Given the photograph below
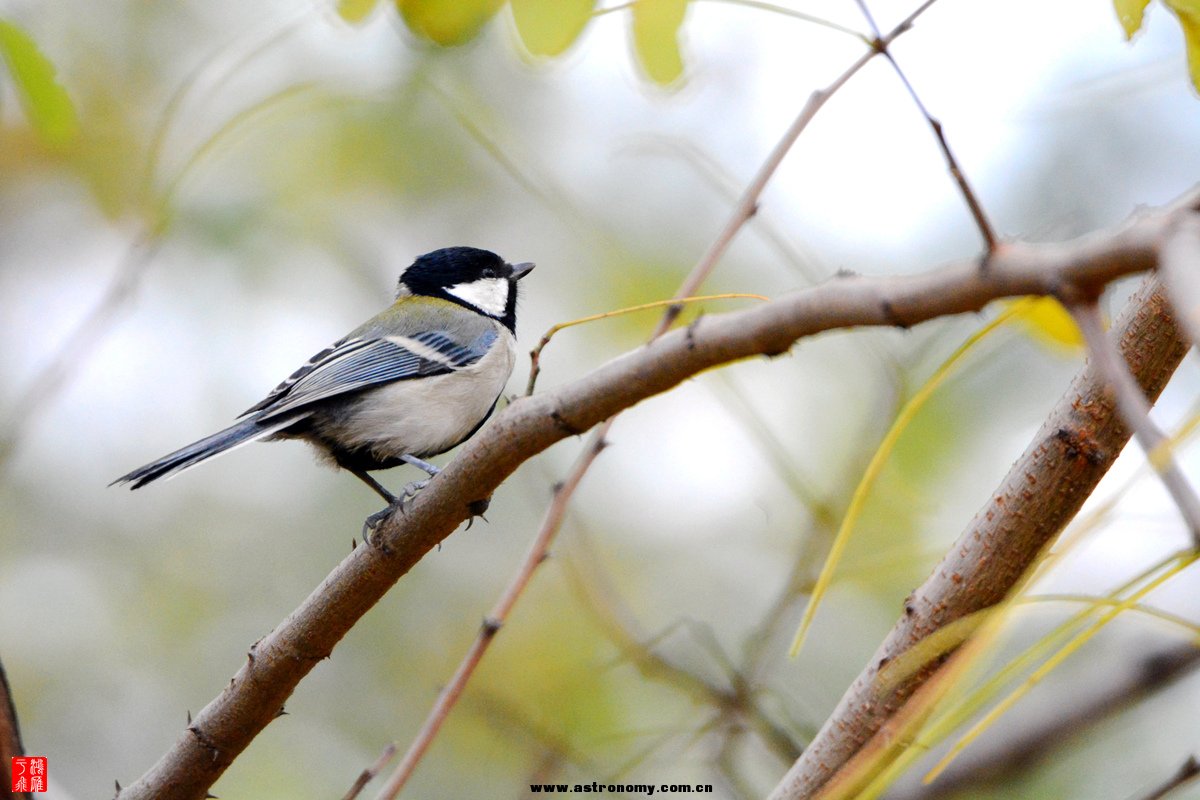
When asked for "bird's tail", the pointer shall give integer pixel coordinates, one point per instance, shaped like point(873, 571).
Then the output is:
point(220, 442)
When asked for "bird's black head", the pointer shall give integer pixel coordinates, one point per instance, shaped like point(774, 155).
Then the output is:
point(477, 279)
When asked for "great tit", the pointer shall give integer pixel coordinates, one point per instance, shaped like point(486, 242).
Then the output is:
point(414, 381)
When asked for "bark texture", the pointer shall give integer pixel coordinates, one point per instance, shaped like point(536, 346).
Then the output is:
point(1043, 491)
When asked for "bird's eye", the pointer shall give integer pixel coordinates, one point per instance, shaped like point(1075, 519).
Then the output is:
point(489, 273)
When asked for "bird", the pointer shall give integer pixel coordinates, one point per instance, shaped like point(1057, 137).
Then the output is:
point(412, 382)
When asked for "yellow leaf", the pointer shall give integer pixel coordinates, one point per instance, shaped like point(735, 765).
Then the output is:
point(1047, 320)
point(447, 22)
point(355, 11)
point(1188, 12)
point(43, 98)
point(656, 26)
point(1130, 13)
point(549, 27)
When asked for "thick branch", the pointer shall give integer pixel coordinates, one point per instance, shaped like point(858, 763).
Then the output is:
point(1041, 493)
point(278, 662)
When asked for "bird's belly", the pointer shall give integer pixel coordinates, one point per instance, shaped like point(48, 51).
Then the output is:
point(423, 416)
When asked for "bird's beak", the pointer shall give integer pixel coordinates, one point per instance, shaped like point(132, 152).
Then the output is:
point(521, 270)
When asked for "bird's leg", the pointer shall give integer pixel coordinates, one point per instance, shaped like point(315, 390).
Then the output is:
point(425, 465)
point(374, 484)
point(393, 501)
point(379, 516)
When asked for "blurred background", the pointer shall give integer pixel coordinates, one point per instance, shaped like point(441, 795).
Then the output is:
point(244, 185)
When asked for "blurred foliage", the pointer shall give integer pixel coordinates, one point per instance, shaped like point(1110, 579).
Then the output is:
point(656, 25)
point(549, 27)
point(1131, 12)
point(43, 98)
point(546, 28)
point(447, 22)
point(356, 11)
point(289, 162)
point(928, 447)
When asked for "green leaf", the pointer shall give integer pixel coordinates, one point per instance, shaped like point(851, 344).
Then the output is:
point(46, 103)
point(656, 26)
point(1188, 12)
point(355, 11)
point(549, 27)
point(447, 22)
point(1130, 13)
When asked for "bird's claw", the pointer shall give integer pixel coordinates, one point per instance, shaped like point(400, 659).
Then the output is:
point(401, 501)
point(410, 492)
point(371, 522)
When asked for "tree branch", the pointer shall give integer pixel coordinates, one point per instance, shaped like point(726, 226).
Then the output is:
point(1180, 269)
point(1135, 411)
point(278, 662)
point(492, 624)
point(10, 739)
point(1042, 492)
point(747, 205)
point(990, 240)
point(370, 772)
point(1184, 775)
point(1043, 740)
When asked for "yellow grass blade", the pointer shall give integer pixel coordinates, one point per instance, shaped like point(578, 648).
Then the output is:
point(536, 353)
point(1181, 562)
point(879, 459)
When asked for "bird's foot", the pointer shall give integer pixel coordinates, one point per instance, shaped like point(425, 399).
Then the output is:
point(410, 492)
point(371, 522)
point(400, 501)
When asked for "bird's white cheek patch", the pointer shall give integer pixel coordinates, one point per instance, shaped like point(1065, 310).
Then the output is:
point(489, 295)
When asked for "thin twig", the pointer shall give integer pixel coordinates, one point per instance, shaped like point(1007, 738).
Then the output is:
point(368, 774)
point(866, 12)
point(64, 364)
point(803, 487)
point(986, 230)
point(280, 660)
point(506, 719)
point(1135, 410)
point(748, 204)
point(745, 209)
point(535, 355)
point(737, 702)
point(1180, 268)
point(1076, 444)
point(712, 172)
point(499, 614)
point(1043, 739)
point(274, 34)
point(800, 15)
point(972, 200)
point(1184, 775)
point(92, 331)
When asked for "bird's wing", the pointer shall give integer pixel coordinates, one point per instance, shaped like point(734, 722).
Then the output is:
point(357, 363)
